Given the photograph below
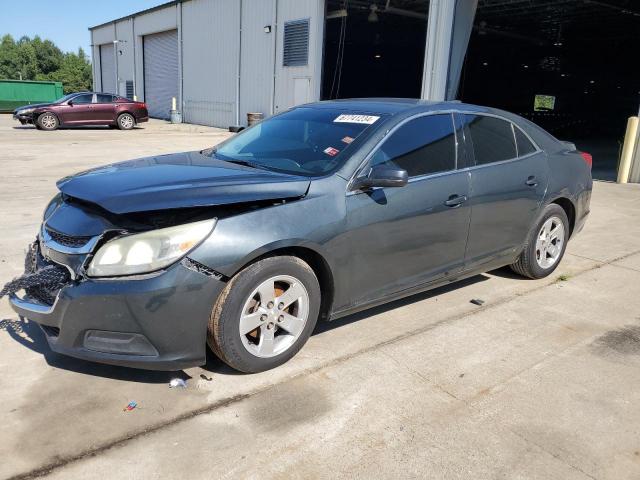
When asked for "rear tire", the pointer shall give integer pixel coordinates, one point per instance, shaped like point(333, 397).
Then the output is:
point(48, 121)
point(545, 245)
point(255, 325)
point(126, 121)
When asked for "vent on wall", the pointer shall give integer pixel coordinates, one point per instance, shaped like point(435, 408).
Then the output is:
point(129, 89)
point(296, 43)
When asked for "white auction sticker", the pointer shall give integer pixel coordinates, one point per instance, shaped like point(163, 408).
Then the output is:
point(362, 119)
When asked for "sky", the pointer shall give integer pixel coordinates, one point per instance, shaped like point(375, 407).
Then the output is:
point(65, 22)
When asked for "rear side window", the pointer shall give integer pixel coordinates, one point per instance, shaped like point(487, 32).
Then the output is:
point(524, 145)
point(492, 139)
point(82, 99)
point(104, 98)
point(421, 146)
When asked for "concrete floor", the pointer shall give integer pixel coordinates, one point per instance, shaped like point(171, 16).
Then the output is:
point(539, 382)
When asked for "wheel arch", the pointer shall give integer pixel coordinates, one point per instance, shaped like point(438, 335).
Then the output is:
point(312, 255)
point(135, 119)
point(569, 208)
point(36, 116)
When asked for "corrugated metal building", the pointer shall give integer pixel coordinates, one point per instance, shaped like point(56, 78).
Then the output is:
point(222, 59)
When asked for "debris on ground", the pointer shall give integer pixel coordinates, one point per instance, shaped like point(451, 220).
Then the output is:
point(204, 377)
point(564, 277)
point(477, 301)
point(130, 407)
point(177, 383)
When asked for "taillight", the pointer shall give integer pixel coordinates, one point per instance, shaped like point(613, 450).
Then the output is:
point(588, 159)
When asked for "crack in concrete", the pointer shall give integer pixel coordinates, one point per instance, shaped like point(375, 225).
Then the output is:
point(61, 462)
point(554, 455)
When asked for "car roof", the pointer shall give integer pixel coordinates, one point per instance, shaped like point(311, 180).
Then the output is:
point(394, 106)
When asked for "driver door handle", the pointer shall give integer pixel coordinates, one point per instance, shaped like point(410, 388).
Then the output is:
point(455, 200)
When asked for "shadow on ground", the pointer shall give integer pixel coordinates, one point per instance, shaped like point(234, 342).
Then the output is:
point(30, 335)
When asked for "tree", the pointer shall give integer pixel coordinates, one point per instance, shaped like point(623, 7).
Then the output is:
point(74, 72)
point(37, 59)
point(48, 56)
point(9, 61)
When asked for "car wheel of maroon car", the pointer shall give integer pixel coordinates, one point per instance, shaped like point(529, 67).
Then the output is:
point(48, 121)
point(126, 121)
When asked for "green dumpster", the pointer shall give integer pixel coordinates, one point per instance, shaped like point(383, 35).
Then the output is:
point(15, 93)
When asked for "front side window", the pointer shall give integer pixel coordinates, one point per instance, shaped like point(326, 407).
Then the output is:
point(102, 98)
point(422, 146)
point(492, 139)
point(82, 99)
point(303, 141)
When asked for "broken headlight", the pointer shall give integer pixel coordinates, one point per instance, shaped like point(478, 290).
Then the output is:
point(149, 251)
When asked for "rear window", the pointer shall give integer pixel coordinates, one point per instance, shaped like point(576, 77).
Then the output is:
point(524, 145)
point(303, 141)
point(492, 139)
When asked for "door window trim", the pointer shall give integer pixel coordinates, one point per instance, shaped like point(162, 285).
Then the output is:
point(387, 136)
point(465, 141)
point(93, 98)
point(513, 127)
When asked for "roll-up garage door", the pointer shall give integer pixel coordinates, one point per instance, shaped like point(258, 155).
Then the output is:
point(160, 72)
point(107, 69)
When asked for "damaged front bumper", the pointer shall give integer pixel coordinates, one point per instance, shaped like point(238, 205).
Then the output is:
point(156, 321)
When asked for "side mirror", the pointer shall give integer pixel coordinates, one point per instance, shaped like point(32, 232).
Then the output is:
point(382, 176)
point(70, 103)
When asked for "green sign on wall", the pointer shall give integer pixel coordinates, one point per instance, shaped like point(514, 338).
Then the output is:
point(544, 103)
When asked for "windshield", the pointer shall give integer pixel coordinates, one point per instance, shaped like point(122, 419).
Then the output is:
point(304, 141)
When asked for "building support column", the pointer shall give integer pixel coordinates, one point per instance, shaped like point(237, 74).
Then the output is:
point(448, 31)
point(437, 49)
point(462, 26)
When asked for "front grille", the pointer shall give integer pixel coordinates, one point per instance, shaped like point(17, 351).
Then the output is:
point(34, 262)
point(67, 240)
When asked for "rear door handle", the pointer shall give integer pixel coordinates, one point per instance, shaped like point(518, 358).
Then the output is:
point(455, 200)
point(531, 181)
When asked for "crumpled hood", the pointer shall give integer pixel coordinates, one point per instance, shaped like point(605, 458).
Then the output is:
point(178, 181)
point(33, 105)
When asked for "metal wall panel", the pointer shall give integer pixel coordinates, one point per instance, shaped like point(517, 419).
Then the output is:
point(301, 84)
point(161, 72)
point(125, 57)
point(258, 57)
point(210, 59)
point(107, 68)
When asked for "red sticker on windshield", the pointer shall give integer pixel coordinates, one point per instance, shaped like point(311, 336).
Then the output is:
point(332, 151)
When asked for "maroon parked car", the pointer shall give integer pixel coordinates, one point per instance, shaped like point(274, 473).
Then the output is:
point(84, 108)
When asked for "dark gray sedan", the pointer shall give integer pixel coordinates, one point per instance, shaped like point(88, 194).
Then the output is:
point(316, 213)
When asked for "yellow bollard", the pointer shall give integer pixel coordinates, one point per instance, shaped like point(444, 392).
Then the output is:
point(173, 103)
point(630, 140)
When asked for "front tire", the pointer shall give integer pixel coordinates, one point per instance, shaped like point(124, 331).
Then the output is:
point(126, 121)
point(545, 245)
point(265, 314)
point(48, 121)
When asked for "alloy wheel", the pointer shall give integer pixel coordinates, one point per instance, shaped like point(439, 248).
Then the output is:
point(126, 122)
point(48, 121)
point(550, 242)
point(274, 316)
